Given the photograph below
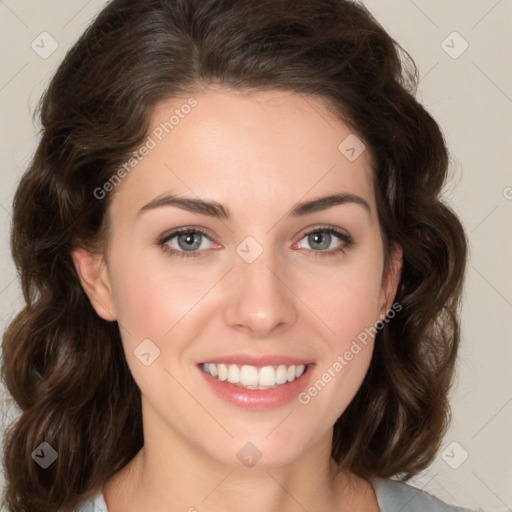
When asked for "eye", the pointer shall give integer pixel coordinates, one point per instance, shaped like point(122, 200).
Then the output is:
point(191, 242)
point(187, 240)
point(328, 241)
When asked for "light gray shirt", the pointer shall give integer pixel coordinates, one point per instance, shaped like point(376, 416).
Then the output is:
point(392, 496)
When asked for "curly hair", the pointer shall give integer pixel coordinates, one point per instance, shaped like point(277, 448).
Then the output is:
point(64, 365)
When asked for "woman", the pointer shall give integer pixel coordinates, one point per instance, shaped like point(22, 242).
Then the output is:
point(242, 288)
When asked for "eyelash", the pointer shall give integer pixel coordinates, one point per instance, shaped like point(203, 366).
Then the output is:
point(347, 240)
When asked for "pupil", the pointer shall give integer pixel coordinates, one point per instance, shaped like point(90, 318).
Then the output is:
point(320, 240)
point(189, 241)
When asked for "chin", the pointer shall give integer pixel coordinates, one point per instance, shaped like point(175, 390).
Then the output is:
point(256, 452)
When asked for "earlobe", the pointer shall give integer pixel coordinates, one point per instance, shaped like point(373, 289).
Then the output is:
point(391, 279)
point(92, 272)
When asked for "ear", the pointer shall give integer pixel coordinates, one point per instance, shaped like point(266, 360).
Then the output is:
point(92, 272)
point(390, 279)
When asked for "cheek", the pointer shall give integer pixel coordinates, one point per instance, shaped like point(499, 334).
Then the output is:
point(160, 306)
point(347, 298)
point(152, 308)
point(150, 298)
point(348, 304)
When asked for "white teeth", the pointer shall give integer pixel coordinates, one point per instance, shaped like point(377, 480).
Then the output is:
point(222, 371)
point(281, 374)
point(252, 377)
point(249, 376)
point(267, 376)
point(233, 374)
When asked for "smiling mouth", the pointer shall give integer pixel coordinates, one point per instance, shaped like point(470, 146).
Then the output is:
point(252, 377)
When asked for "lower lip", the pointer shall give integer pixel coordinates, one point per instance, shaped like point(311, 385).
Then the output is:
point(258, 398)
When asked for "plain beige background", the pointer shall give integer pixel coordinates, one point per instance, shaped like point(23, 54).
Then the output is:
point(462, 49)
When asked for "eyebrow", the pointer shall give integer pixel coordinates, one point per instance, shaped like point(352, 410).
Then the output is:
point(217, 210)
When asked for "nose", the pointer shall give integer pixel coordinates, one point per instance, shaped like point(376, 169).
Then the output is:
point(260, 300)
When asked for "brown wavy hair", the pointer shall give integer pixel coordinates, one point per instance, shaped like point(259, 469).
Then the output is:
point(64, 365)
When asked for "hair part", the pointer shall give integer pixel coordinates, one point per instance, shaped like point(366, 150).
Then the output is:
point(64, 365)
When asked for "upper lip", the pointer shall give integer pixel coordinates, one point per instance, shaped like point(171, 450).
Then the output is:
point(257, 360)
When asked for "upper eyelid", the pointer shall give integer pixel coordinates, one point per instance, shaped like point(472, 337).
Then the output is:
point(323, 227)
point(178, 231)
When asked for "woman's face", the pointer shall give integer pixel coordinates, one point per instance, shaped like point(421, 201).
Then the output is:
point(278, 265)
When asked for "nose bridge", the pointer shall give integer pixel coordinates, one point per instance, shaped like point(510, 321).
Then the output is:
point(260, 301)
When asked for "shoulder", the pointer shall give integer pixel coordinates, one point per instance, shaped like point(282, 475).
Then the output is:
point(96, 504)
point(393, 495)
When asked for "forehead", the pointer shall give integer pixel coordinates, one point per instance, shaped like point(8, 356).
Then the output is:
point(242, 148)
